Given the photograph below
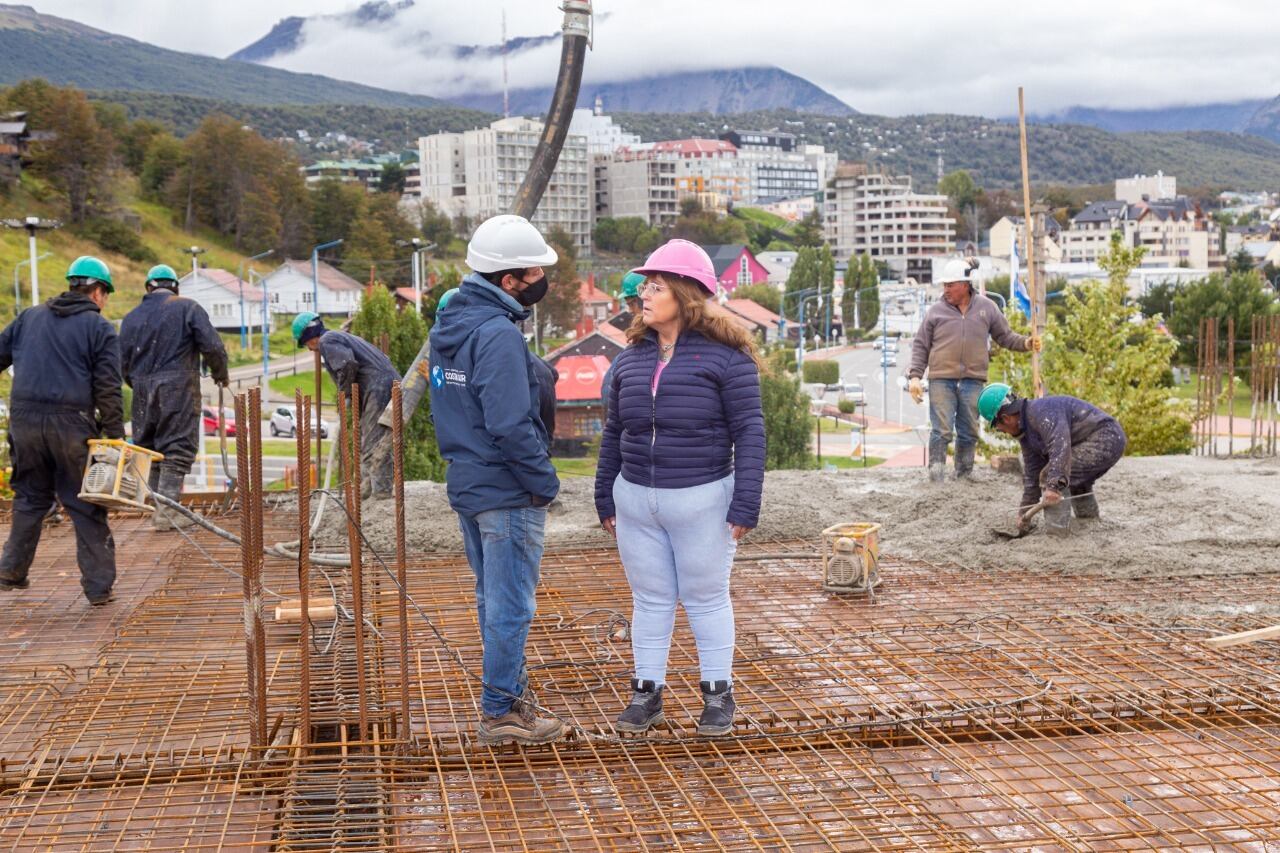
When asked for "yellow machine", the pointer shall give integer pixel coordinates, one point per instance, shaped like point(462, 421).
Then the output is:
point(115, 475)
point(851, 557)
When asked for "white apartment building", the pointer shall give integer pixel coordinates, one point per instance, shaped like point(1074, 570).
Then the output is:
point(779, 167)
point(882, 216)
point(603, 136)
point(1140, 187)
point(650, 179)
point(478, 172)
point(1174, 231)
point(1010, 231)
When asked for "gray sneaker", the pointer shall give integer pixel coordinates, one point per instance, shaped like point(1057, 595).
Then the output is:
point(717, 708)
point(645, 710)
point(520, 727)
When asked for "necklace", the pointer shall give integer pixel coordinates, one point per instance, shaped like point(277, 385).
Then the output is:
point(664, 353)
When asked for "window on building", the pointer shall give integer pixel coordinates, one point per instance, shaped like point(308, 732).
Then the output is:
point(744, 271)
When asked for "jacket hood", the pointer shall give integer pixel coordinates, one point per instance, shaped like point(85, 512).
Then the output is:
point(476, 302)
point(69, 303)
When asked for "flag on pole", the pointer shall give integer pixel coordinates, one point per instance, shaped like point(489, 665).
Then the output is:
point(1017, 287)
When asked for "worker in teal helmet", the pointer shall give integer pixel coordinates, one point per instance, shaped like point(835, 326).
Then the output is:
point(631, 298)
point(1067, 445)
point(353, 361)
point(66, 390)
point(631, 292)
point(162, 344)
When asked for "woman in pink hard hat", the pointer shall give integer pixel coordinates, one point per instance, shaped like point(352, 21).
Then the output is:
point(680, 476)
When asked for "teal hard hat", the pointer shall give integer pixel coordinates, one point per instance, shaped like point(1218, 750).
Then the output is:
point(87, 266)
point(162, 272)
point(445, 297)
point(631, 285)
point(304, 321)
point(992, 400)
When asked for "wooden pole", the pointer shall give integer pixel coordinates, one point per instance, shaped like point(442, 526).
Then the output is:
point(1030, 247)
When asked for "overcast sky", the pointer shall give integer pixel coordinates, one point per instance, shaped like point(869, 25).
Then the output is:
point(890, 58)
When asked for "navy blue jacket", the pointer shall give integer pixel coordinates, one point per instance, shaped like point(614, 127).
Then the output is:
point(167, 334)
point(1050, 426)
point(351, 359)
point(704, 423)
point(485, 402)
point(66, 358)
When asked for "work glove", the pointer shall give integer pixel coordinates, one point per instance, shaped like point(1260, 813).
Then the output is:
point(1024, 521)
point(1035, 343)
point(916, 389)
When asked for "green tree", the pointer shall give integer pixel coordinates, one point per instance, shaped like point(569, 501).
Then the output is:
point(1240, 296)
point(405, 331)
point(764, 295)
point(163, 159)
point(786, 422)
point(1158, 300)
point(861, 288)
point(335, 207)
point(434, 226)
point(392, 179)
point(706, 227)
point(561, 307)
point(809, 231)
point(1101, 350)
point(1241, 261)
point(77, 157)
point(135, 139)
point(960, 188)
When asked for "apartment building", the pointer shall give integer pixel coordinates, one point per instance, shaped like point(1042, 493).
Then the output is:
point(1174, 231)
point(884, 217)
point(779, 166)
point(649, 180)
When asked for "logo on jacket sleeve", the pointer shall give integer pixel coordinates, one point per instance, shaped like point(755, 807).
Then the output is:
point(442, 376)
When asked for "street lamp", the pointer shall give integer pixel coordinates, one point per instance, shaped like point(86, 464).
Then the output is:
point(418, 271)
point(17, 293)
point(244, 329)
point(315, 272)
point(32, 224)
point(194, 252)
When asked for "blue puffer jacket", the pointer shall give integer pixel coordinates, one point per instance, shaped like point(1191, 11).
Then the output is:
point(704, 423)
point(485, 404)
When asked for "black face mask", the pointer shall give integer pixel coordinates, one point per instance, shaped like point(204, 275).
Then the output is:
point(532, 294)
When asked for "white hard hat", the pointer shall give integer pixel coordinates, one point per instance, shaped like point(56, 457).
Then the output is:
point(956, 269)
point(508, 242)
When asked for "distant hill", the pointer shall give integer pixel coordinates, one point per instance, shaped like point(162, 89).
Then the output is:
point(67, 53)
point(1266, 121)
point(286, 35)
point(1231, 117)
point(720, 92)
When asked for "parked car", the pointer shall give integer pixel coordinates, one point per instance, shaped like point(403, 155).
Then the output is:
point(209, 417)
point(854, 392)
point(889, 358)
point(283, 422)
point(890, 344)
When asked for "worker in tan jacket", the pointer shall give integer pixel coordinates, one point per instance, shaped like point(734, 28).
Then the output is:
point(952, 346)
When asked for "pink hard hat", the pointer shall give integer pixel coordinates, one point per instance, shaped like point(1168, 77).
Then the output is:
point(680, 257)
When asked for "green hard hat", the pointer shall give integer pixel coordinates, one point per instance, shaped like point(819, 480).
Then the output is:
point(301, 322)
point(992, 399)
point(162, 272)
point(87, 266)
point(445, 297)
point(631, 285)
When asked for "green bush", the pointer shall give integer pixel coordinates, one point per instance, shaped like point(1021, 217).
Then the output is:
point(113, 236)
point(786, 422)
point(847, 407)
point(825, 372)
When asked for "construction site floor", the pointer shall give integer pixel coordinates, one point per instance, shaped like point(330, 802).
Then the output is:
point(953, 710)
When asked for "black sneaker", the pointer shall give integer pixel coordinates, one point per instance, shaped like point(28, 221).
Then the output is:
point(717, 708)
point(645, 709)
point(7, 584)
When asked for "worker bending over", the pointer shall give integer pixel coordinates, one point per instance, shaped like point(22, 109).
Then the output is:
point(1067, 444)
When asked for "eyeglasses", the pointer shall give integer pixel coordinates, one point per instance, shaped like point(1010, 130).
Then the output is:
point(653, 287)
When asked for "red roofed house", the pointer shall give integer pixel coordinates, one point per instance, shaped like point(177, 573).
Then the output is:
point(597, 306)
point(763, 321)
point(222, 295)
point(291, 289)
point(736, 265)
point(579, 413)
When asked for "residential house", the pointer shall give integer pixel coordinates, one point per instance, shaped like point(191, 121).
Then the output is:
point(1174, 231)
point(765, 324)
point(291, 290)
point(1255, 232)
point(230, 302)
point(597, 306)
point(14, 137)
point(1263, 253)
point(581, 365)
point(735, 265)
point(779, 265)
point(1009, 229)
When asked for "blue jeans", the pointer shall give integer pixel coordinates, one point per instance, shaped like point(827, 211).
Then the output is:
point(504, 548)
point(676, 546)
point(953, 410)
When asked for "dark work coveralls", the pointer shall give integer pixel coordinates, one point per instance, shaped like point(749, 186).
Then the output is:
point(1067, 444)
point(161, 342)
point(66, 390)
point(353, 360)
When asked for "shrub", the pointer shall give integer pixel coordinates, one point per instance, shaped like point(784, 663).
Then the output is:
point(113, 236)
point(847, 407)
point(824, 372)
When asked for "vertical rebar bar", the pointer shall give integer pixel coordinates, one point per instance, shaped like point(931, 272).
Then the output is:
point(319, 404)
point(302, 407)
point(397, 459)
point(259, 633)
point(244, 481)
point(1231, 386)
point(351, 465)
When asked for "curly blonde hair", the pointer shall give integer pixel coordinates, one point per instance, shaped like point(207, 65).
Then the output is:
point(700, 314)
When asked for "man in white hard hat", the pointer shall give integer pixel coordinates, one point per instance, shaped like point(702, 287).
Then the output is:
point(952, 346)
point(485, 405)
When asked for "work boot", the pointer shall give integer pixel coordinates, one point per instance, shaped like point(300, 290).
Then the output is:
point(964, 462)
point(1057, 519)
point(10, 584)
point(105, 598)
point(169, 484)
point(717, 708)
point(937, 472)
point(521, 727)
point(1085, 506)
point(645, 709)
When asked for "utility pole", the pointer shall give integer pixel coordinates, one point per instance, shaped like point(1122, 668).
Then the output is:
point(244, 328)
point(195, 252)
point(315, 272)
point(31, 225)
